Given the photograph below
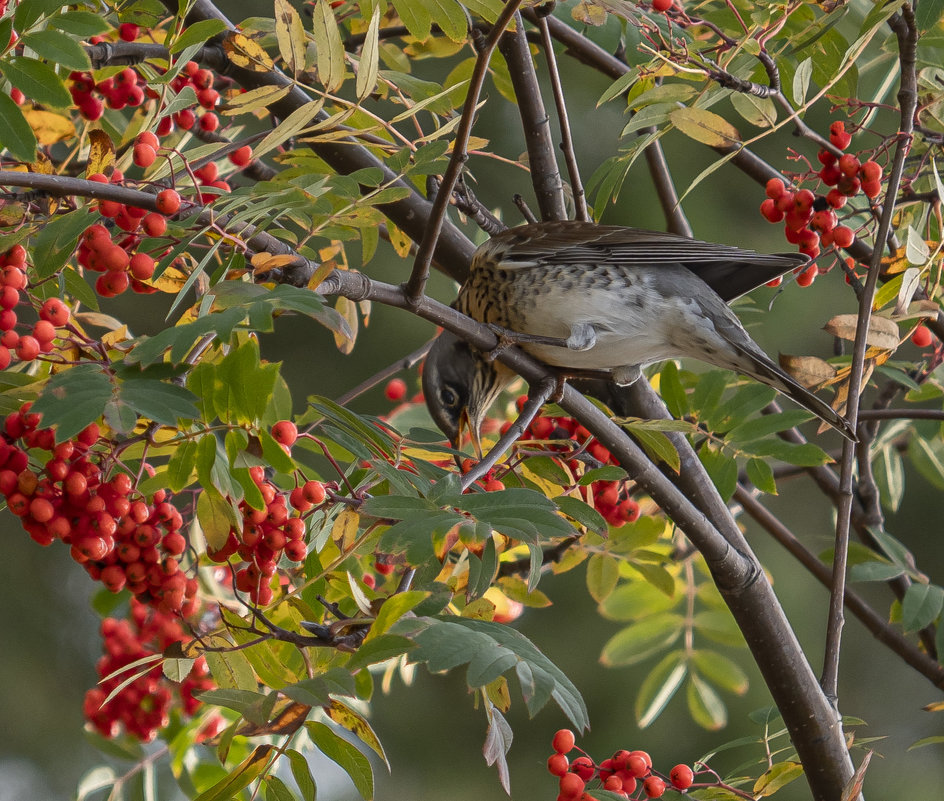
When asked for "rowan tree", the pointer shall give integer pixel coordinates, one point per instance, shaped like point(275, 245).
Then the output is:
point(269, 565)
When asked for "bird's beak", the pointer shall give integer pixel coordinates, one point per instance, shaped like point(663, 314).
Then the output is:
point(465, 421)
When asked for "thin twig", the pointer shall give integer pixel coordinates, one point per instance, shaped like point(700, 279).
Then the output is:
point(535, 125)
point(407, 362)
point(538, 395)
point(567, 142)
point(416, 286)
point(903, 24)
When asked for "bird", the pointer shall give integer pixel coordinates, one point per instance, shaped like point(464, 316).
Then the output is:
point(584, 297)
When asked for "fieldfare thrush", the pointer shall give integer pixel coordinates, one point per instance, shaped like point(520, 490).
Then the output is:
point(583, 297)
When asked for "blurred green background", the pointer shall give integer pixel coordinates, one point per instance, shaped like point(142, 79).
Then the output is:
point(432, 733)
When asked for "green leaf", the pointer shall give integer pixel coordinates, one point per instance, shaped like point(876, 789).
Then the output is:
point(583, 513)
point(317, 691)
point(244, 384)
point(231, 670)
point(490, 649)
point(602, 576)
point(720, 670)
point(801, 81)
point(874, 571)
point(57, 48)
point(761, 475)
point(37, 81)
point(416, 16)
point(197, 33)
point(659, 686)
point(889, 470)
point(921, 606)
point(718, 625)
point(803, 455)
point(82, 24)
point(705, 705)
point(638, 641)
point(56, 242)
point(247, 772)
point(672, 391)
point(927, 455)
point(159, 401)
point(16, 135)
point(276, 789)
point(721, 468)
point(301, 772)
point(928, 14)
point(761, 427)
point(634, 600)
point(73, 398)
point(216, 517)
point(379, 649)
point(339, 750)
point(656, 444)
point(778, 777)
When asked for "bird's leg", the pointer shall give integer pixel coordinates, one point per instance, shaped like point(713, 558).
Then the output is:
point(583, 336)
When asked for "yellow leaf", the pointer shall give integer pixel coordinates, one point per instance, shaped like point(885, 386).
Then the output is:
point(348, 310)
point(291, 36)
point(245, 53)
point(588, 14)
point(48, 126)
point(320, 274)
point(344, 530)
point(777, 777)
point(705, 127)
point(101, 152)
point(329, 44)
point(400, 241)
point(265, 262)
point(357, 725)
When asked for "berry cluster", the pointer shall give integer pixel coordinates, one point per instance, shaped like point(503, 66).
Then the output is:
point(609, 498)
point(141, 707)
point(120, 265)
point(268, 533)
point(810, 220)
point(121, 538)
point(53, 313)
point(627, 774)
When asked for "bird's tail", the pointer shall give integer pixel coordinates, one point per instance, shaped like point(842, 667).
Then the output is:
point(765, 371)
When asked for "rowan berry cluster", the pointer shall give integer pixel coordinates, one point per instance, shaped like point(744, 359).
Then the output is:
point(121, 538)
point(810, 220)
point(609, 498)
point(627, 774)
point(142, 707)
point(267, 534)
point(53, 314)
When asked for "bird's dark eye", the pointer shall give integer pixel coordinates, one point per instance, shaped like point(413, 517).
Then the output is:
point(449, 397)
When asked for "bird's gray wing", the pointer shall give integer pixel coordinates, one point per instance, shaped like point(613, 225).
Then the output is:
point(730, 271)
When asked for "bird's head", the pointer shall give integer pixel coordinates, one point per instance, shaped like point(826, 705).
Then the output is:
point(459, 386)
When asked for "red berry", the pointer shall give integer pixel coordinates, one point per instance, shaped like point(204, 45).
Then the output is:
point(148, 138)
point(395, 390)
point(557, 764)
point(142, 266)
point(494, 485)
point(209, 122)
point(314, 492)
point(770, 212)
point(843, 236)
point(44, 331)
point(654, 787)
point(27, 348)
point(128, 31)
point(242, 156)
point(836, 199)
point(870, 171)
point(168, 202)
point(775, 188)
point(921, 336)
point(55, 311)
point(872, 189)
point(849, 164)
point(144, 155)
point(681, 777)
point(563, 741)
point(661, 5)
point(285, 433)
point(807, 277)
point(571, 785)
point(583, 767)
point(154, 224)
